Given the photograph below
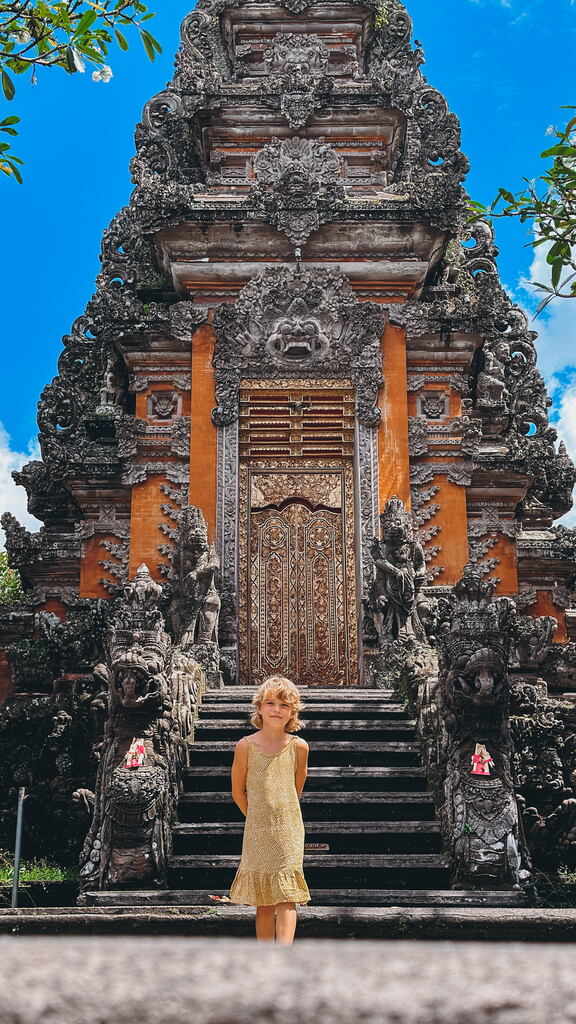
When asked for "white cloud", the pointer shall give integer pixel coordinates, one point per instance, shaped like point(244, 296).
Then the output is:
point(566, 426)
point(12, 498)
point(556, 346)
point(556, 326)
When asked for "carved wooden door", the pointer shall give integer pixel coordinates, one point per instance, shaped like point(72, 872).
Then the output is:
point(300, 595)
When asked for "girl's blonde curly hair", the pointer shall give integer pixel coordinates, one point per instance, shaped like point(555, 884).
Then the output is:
point(284, 689)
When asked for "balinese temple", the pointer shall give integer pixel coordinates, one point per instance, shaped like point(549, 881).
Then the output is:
point(301, 382)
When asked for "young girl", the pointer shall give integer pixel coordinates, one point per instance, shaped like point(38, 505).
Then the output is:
point(268, 776)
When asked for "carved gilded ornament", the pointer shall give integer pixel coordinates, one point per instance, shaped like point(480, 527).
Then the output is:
point(297, 601)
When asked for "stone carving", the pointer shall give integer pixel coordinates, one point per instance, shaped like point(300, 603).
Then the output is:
point(291, 56)
point(434, 405)
point(202, 63)
point(460, 473)
point(152, 690)
point(545, 771)
point(195, 606)
point(400, 576)
point(484, 532)
point(476, 639)
point(163, 405)
point(417, 436)
point(491, 391)
point(552, 837)
point(291, 320)
point(527, 597)
point(297, 64)
point(424, 509)
point(195, 603)
point(117, 566)
point(297, 185)
point(368, 472)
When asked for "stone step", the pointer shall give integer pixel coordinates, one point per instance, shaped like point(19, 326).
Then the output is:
point(313, 731)
point(339, 694)
point(229, 828)
point(326, 806)
point(372, 710)
point(329, 870)
point(336, 726)
point(325, 777)
point(345, 837)
point(320, 898)
point(325, 752)
point(483, 924)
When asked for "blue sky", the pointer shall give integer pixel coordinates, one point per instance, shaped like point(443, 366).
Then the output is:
point(506, 68)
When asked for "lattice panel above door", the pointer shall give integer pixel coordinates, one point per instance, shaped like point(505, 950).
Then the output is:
point(289, 421)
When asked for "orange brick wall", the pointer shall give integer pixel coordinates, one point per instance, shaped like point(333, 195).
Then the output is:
point(145, 533)
point(394, 469)
point(90, 569)
point(203, 433)
point(507, 568)
point(453, 537)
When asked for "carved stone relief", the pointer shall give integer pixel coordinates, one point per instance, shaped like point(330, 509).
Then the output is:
point(295, 320)
point(424, 510)
point(164, 405)
point(297, 64)
point(484, 532)
point(367, 489)
point(433, 405)
point(297, 186)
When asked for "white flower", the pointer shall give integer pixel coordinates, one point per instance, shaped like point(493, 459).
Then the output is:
point(104, 74)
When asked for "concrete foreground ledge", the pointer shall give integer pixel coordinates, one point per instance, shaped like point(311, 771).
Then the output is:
point(367, 923)
point(223, 981)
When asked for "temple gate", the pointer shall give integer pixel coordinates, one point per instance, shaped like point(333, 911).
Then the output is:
point(299, 429)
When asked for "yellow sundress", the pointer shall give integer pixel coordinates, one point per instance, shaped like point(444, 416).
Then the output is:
point(271, 868)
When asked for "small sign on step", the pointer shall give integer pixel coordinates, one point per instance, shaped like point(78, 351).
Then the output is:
point(316, 847)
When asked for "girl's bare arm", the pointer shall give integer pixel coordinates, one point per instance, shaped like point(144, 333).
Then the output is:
point(302, 749)
point(239, 769)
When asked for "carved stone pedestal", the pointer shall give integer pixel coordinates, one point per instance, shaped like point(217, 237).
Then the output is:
point(207, 654)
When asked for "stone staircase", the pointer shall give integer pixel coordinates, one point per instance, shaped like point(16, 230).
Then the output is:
point(371, 833)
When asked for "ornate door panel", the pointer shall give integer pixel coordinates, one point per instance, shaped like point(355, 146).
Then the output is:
point(297, 607)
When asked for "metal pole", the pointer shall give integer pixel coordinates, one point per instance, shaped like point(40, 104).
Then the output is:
point(19, 819)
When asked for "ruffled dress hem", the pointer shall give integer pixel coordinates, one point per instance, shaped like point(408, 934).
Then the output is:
point(259, 889)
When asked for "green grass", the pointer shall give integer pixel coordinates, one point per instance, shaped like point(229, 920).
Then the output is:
point(34, 871)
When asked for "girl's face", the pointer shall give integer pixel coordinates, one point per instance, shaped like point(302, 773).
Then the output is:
point(274, 711)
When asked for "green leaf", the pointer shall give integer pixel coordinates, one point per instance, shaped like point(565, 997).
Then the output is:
point(120, 39)
point(545, 302)
point(555, 151)
point(150, 52)
point(73, 60)
point(65, 20)
point(85, 23)
point(556, 274)
point(7, 85)
point(153, 43)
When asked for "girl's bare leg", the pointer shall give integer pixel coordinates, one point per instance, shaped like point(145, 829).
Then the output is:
point(286, 918)
point(265, 921)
